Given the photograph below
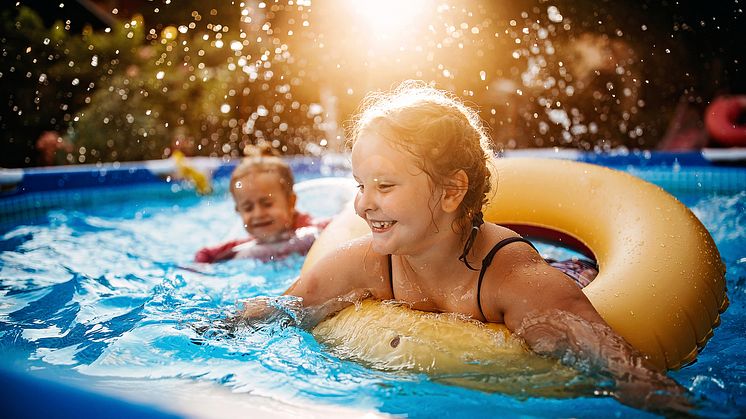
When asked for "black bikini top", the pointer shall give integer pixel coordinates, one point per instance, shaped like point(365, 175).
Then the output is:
point(486, 262)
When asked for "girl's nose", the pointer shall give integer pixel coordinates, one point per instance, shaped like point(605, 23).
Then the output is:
point(255, 212)
point(364, 202)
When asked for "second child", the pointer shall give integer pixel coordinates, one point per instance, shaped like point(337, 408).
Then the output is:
point(262, 189)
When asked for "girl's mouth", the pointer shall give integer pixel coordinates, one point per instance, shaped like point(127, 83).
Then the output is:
point(261, 224)
point(379, 226)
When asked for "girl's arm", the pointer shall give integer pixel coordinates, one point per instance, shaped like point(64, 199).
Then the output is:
point(348, 274)
point(350, 268)
point(545, 308)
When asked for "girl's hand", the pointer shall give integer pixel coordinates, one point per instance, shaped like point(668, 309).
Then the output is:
point(259, 312)
point(257, 308)
point(595, 349)
point(653, 391)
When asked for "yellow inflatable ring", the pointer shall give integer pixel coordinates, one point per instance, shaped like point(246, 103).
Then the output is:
point(661, 282)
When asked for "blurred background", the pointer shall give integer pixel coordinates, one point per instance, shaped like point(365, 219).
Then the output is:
point(119, 80)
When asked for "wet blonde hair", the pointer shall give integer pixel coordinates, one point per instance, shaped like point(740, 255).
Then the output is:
point(263, 159)
point(441, 131)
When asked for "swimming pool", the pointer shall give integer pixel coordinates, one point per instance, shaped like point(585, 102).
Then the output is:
point(99, 293)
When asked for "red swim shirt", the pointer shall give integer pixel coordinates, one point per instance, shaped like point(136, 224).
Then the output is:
point(224, 251)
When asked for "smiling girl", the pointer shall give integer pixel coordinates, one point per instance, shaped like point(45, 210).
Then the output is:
point(262, 189)
point(421, 160)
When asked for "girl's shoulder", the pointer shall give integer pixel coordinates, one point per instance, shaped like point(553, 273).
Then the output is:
point(493, 235)
point(515, 274)
point(357, 256)
point(356, 261)
point(507, 258)
point(352, 266)
point(500, 230)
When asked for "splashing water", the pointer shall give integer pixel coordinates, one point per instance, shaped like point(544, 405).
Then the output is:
point(212, 79)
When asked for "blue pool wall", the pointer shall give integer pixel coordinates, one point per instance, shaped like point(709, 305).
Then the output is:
point(28, 396)
point(26, 195)
point(17, 182)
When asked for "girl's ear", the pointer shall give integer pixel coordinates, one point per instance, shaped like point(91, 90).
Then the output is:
point(292, 198)
point(454, 191)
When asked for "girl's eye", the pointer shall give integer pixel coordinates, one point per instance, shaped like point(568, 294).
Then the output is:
point(360, 187)
point(385, 186)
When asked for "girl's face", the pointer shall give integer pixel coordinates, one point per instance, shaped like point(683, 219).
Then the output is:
point(395, 197)
point(264, 206)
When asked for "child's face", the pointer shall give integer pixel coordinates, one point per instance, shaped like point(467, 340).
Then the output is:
point(264, 206)
point(396, 198)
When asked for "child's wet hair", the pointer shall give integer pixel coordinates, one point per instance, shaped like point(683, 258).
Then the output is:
point(263, 159)
point(439, 129)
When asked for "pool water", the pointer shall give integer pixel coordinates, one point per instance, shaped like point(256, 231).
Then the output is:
point(107, 298)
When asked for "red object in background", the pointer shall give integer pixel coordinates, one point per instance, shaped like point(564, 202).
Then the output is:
point(48, 144)
point(225, 251)
point(725, 120)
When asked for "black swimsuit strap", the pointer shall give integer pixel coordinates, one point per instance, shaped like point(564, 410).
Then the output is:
point(391, 276)
point(487, 261)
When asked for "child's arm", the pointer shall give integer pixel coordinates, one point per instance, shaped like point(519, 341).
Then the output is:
point(217, 253)
point(555, 318)
point(594, 348)
point(348, 274)
point(350, 269)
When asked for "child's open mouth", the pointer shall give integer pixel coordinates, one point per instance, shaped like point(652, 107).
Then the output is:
point(261, 224)
point(380, 226)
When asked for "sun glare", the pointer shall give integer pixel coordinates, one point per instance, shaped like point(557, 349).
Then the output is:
point(387, 18)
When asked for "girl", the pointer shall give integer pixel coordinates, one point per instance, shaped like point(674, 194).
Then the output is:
point(420, 158)
point(262, 188)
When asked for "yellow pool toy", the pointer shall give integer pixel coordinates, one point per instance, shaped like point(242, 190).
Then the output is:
point(661, 283)
point(186, 171)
